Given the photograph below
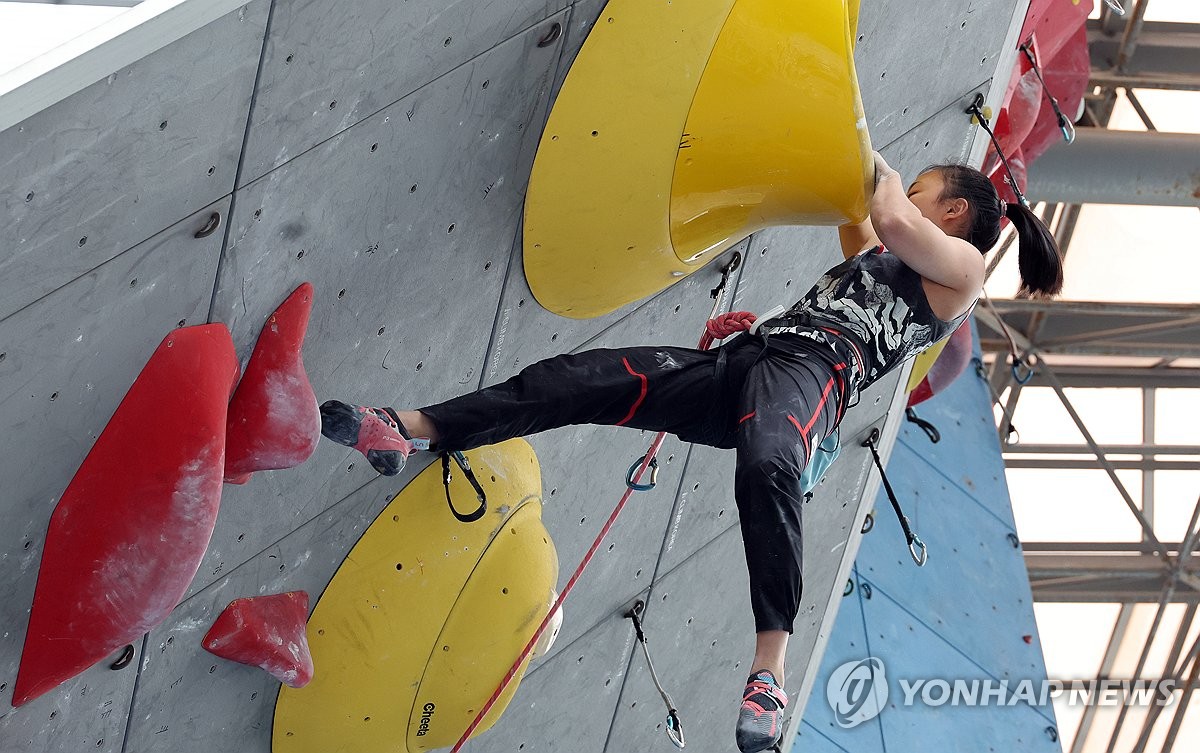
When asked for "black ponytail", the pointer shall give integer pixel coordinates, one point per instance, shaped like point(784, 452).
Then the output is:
point(1038, 259)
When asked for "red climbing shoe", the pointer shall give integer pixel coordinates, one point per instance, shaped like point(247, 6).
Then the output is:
point(760, 720)
point(375, 432)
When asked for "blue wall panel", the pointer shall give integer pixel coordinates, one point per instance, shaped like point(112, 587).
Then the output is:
point(967, 614)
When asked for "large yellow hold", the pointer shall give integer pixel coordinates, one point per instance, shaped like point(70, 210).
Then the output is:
point(425, 616)
point(684, 127)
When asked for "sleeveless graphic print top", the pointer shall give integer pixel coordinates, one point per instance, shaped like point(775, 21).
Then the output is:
point(878, 301)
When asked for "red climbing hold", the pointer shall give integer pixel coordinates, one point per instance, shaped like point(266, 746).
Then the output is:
point(952, 362)
point(273, 418)
point(266, 632)
point(1067, 73)
point(131, 528)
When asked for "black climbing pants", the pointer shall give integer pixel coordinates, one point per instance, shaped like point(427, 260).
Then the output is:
point(772, 398)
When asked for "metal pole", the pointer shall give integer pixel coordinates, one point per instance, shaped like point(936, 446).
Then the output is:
point(1112, 474)
point(1106, 666)
point(1119, 167)
point(1163, 600)
point(1117, 332)
point(1129, 42)
point(1185, 551)
point(1148, 409)
point(1153, 713)
point(1181, 708)
point(1141, 111)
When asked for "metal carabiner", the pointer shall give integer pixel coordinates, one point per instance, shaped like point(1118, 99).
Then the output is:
point(919, 552)
point(1115, 6)
point(1024, 376)
point(675, 729)
point(653, 474)
point(1068, 130)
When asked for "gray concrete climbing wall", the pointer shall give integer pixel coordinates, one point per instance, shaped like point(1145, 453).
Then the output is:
point(382, 150)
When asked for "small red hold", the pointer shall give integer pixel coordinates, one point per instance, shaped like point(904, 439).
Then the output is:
point(1027, 638)
point(274, 421)
point(266, 632)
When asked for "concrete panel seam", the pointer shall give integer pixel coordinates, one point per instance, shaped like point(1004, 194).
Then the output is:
point(621, 690)
point(137, 682)
point(985, 84)
point(862, 615)
point(500, 320)
point(653, 579)
point(370, 115)
point(1007, 524)
point(237, 177)
point(662, 550)
point(821, 734)
point(875, 589)
point(1006, 61)
point(252, 558)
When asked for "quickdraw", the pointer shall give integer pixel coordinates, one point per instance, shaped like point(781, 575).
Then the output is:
point(916, 547)
point(480, 494)
point(674, 725)
point(930, 430)
point(1064, 125)
point(976, 111)
point(648, 462)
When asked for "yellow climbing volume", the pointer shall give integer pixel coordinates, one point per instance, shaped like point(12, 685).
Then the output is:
point(425, 616)
point(682, 128)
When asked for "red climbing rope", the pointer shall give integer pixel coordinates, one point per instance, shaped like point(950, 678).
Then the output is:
point(716, 328)
point(725, 325)
point(512, 672)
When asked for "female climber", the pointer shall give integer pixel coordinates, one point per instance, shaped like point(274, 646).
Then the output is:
point(912, 274)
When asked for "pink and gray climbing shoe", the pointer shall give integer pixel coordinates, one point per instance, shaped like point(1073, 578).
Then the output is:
point(375, 432)
point(760, 720)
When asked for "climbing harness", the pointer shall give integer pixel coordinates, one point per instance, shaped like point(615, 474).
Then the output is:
point(674, 726)
point(632, 481)
point(976, 111)
point(930, 430)
point(1064, 125)
point(916, 547)
point(461, 459)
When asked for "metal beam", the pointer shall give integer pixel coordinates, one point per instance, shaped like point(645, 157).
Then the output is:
point(1119, 167)
point(1148, 349)
point(1129, 40)
point(1118, 376)
point(1147, 529)
point(1095, 547)
point(1162, 47)
point(1175, 82)
point(1091, 464)
point(1109, 449)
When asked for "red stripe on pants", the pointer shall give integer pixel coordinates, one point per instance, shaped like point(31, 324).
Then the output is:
point(642, 396)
